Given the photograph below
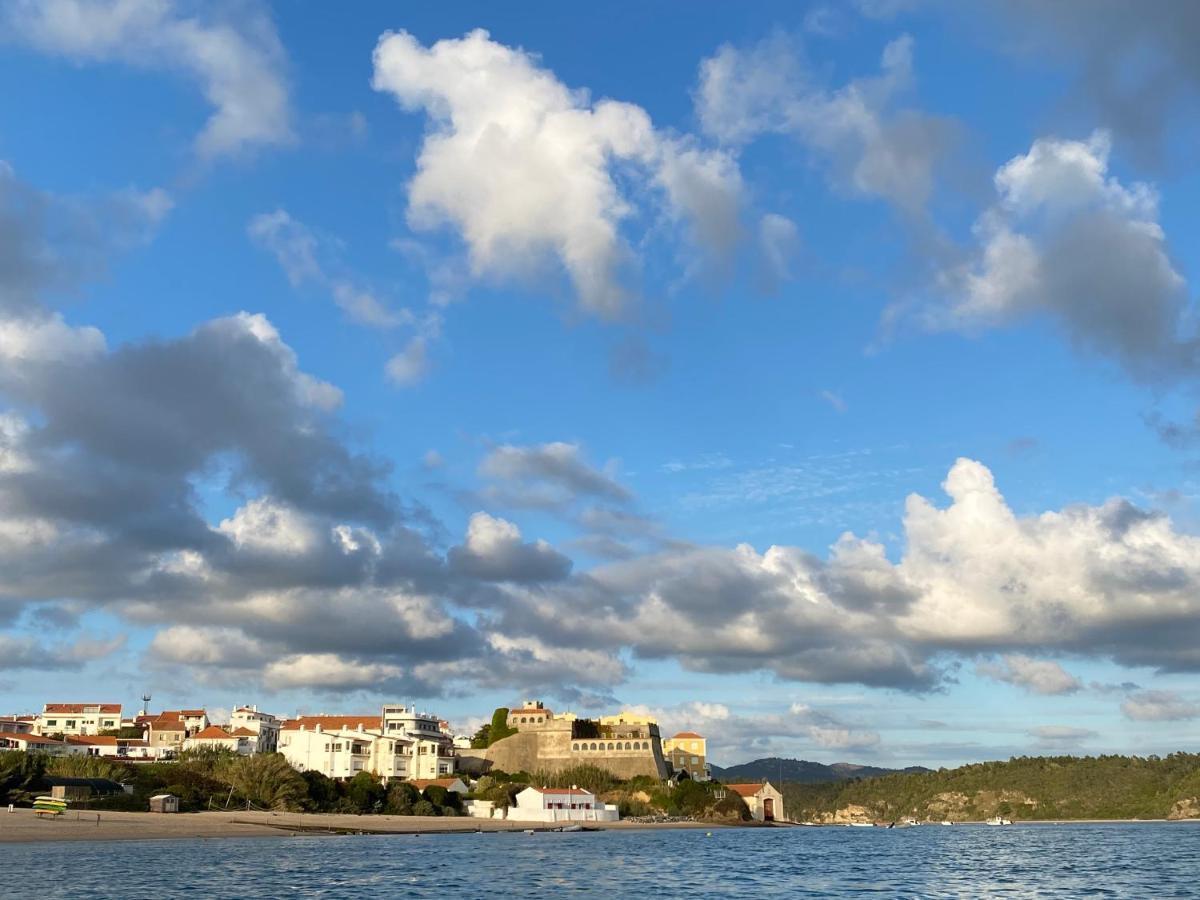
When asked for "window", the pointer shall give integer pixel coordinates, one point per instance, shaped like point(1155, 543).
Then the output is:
point(70, 723)
point(52, 722)
point(695, 760)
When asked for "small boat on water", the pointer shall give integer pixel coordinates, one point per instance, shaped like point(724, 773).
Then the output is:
point(947, 823)
point(998, 820)
point(860, 824)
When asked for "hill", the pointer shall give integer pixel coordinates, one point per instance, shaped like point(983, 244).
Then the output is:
point(1031, 788)
point(801, 771)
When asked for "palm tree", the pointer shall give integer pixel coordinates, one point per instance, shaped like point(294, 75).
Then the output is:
point(265, 780)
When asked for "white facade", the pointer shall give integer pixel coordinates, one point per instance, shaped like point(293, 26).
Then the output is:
point(264, 726)
point(343, 746)
point(78, 718)
point(404, 721)
point(558, 805)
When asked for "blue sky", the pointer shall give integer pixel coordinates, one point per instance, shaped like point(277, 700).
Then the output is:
point(604, 355)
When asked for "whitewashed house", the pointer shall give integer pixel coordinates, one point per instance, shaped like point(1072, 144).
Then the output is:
point(78, 718)
point(239, 741)
point(764, 800)
point(561, 805)
point(263, 725)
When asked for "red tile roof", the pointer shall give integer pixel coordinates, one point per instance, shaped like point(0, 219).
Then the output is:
point(78, 708)
point(211, 732)
point(92, 740)
point(330, 723)
point(689, 735)
point(165, 723)
point(746, 790)
point(422, 783)
point(243, 732)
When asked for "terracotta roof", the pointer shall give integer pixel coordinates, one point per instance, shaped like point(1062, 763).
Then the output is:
point(212, 732)
point(689, 735)
point(78, 708)
point(94, 740)
point(331, 723)
point(422, 783)
point(746, 790)
point(571, 791)
point(180, 713)
point(242, 732)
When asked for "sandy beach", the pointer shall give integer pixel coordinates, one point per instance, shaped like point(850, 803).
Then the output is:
point(23, 825)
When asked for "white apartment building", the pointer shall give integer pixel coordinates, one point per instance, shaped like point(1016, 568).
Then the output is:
point(342, 746)
point(264, 726)
point(78, 718)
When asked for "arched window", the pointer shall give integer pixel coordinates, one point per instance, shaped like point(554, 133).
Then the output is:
point(593, 746)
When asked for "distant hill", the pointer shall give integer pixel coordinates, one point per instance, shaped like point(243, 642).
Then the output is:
point(1062, 787)
point(802, 771)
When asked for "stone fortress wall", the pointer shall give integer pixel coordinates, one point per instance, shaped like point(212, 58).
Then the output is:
point(553, 744)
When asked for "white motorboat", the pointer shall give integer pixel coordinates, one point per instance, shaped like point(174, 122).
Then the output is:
point(998, 820)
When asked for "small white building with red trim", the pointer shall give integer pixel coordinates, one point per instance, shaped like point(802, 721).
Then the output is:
point(571, 804)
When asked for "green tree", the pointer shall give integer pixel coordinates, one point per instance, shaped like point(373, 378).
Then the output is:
point(483, 737)
point(365, 792)
point(499, 730)
point(401, 797)
point(265, 780)
point(323, 793)
point(424, 808)
point(20, 774)
point(88, 767)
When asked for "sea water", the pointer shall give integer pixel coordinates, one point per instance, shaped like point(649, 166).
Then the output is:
point(1075, 860)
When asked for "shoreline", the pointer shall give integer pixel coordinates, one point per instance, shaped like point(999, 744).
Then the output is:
point(24, 826)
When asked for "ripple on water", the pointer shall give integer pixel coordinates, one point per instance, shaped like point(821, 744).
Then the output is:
point(1045, 861)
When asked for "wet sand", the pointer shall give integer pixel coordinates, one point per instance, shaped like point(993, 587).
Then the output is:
point(23, 825)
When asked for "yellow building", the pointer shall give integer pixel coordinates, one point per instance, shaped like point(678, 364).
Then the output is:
point(628, 717)
point(687, 752)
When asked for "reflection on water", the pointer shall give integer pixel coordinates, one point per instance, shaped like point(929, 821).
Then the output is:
point(1135, 860)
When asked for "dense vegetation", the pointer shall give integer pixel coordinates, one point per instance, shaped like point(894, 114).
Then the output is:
point(493, 731)
point(1032, 788)
point(801, 771)
point(219, 779)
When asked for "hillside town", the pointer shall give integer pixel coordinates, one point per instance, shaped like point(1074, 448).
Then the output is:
point(399, 745)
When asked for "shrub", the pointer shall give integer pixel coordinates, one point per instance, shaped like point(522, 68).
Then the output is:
point(424, 808)
point(401, 797)
point(322, 791)
point(365, 792)
point(499, 730)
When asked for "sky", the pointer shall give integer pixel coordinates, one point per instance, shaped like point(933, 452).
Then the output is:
point(818, 376)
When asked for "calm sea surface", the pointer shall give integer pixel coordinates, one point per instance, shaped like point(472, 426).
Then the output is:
point(1138, 860)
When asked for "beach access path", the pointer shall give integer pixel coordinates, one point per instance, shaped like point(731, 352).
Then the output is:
point(23, 825)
